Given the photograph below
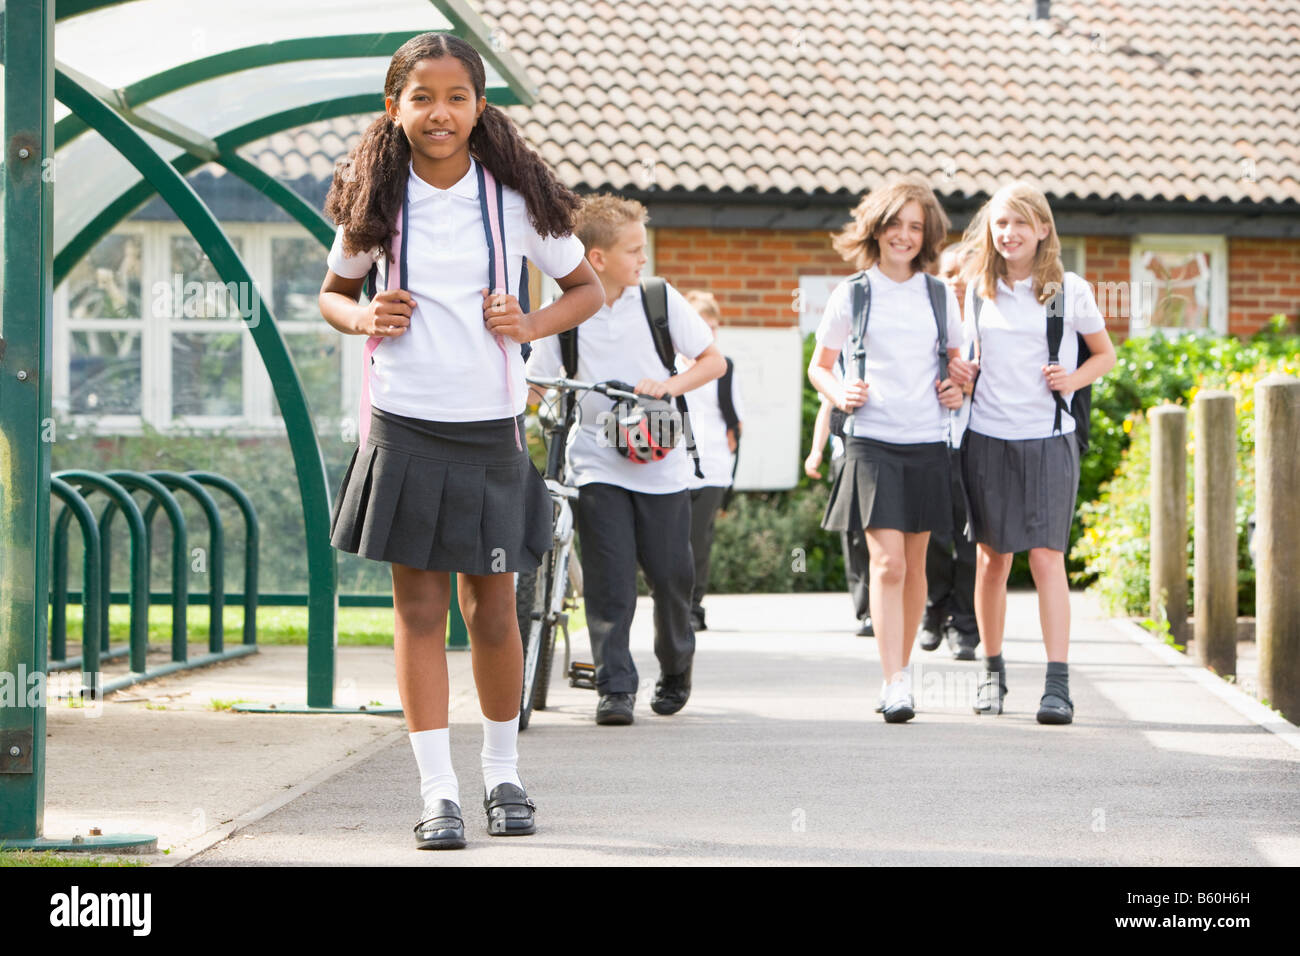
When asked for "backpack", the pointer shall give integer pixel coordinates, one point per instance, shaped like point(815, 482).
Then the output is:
point(1080, 406)
point(654, 302)
point(732, 420)
point(860, 289)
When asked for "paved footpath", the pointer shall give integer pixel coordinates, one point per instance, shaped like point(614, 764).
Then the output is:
point(779, 759)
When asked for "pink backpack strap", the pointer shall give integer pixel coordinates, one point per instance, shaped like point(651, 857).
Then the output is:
point(394, 271)
point(491, 204)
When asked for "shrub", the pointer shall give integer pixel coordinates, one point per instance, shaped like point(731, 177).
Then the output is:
point(1112, 553)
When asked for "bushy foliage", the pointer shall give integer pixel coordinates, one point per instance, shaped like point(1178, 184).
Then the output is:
point(1112, 552)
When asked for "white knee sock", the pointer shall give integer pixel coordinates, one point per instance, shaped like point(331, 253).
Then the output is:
point(433, 756)
point(500, 753)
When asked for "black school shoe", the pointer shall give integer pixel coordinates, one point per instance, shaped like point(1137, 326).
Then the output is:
point(697, 620)
point(509, 811)
point(672, 691)
point(1053, 709)
point(441, 827)
point(615, 710)
point(962, 646)
point(930, 636)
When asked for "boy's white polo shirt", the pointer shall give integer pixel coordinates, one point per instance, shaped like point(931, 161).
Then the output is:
point(1012, 400)
point(447, 366)
point(616, 343)
point(902, 357)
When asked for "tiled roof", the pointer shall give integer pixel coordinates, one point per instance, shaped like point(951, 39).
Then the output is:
point(1141, 99)
point(1185, 100)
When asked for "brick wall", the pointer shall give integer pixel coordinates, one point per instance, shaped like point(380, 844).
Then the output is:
point(1263, 280)
point(1108, 266)
point(754, 272)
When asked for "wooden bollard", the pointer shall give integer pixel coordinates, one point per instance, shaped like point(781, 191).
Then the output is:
point(1169, 517)
point(1214, 604)
point(1277, 541)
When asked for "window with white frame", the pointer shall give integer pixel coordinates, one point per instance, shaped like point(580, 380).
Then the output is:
point(147, 331)
point(1179, 284)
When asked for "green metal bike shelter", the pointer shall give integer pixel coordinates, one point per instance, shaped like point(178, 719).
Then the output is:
point(148, 91)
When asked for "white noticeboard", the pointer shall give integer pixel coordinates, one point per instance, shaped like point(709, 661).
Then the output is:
point(813, 293)
point(770, 374)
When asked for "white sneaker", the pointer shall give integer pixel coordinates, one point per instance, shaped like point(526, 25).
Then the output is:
point(899, 706)
point(880, 707)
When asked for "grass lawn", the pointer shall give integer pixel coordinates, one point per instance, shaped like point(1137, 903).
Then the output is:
point(358, 626)
point(50, 858)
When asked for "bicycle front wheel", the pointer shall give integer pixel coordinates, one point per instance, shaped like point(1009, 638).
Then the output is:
point(532, 606)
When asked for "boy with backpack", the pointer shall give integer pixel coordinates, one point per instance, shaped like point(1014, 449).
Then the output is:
point(632, 512)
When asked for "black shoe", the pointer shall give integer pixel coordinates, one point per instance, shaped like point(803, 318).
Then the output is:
point(441, 827)
point(615, 709)
point(962, 646)
point(697, 620)
point(930, 636)
point(1053, 709)
point(509, 811)
point(866, 630)
point(672, 691)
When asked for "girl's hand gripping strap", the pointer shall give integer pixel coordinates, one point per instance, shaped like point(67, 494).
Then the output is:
point(493, 215)
point(394, 278)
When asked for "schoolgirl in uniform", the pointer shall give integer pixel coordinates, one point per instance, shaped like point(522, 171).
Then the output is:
point(1022, 469)
point(440, 481)
point(895, 481)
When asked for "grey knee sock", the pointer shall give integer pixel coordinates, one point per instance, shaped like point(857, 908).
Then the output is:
point(994, 663)
point(1058, 681)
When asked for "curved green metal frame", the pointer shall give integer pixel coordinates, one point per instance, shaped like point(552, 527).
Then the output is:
point(140, 193)
point(250, 58)
point(216, 553)
point(160, 496)
point(322, 608)
point(252, 536)
point(90, 588)
point(120, 499)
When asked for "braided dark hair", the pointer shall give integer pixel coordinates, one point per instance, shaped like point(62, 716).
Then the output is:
point(368, 186)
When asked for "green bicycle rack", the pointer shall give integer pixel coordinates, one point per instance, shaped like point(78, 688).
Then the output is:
point(96, 596)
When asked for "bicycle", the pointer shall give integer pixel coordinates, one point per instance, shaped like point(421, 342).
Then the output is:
point(541, 606)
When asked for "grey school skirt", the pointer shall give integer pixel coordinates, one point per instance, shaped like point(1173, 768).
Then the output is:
point(443, 496)
point(884, 485)
point(1021, 493)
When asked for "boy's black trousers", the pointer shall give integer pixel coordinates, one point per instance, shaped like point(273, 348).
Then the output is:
point(617, 530)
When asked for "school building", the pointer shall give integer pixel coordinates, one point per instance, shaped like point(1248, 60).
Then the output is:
point(1166, 134)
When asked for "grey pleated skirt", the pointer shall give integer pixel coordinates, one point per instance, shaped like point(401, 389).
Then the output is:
point(885, 485)
point(1021, 493)
point(443, 496)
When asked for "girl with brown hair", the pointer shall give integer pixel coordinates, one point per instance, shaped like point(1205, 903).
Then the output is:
point(894, 485)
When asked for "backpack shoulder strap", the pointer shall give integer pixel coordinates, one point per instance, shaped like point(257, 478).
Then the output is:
point(569, 352)
point(939, 306)
point(1055, 332)
point(860, 291)
point(725, 403)
point(654, 300)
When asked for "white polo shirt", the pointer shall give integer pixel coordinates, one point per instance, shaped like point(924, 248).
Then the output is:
point(1012, 400)
point(616, 343)
point(447, 366)
point(711, 433)
point(902, 357)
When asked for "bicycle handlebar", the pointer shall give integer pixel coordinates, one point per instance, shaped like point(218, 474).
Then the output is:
point(612, 389)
